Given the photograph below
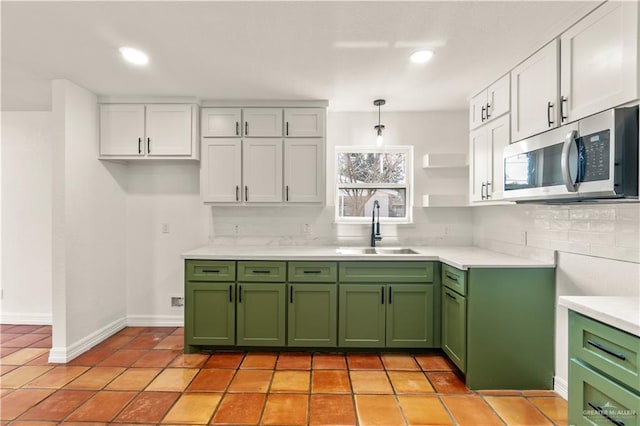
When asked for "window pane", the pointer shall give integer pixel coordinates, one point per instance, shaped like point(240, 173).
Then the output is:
point(369, 167)
point(358, 202)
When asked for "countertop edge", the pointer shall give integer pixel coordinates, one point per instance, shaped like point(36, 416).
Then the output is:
point(606, 309)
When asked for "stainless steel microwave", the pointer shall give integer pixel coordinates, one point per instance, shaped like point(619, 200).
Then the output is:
point(593, 158)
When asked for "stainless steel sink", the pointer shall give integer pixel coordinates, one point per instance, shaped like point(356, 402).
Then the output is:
point(356, 250)
point(376, 250)
point(395, 250)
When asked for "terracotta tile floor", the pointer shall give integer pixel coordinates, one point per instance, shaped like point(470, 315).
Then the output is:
point(139, 376)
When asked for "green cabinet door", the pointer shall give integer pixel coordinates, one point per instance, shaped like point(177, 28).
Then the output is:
point(361, 315)
point(261, 314)
point(312, 319)
point(209, 314)
point(454, 327)
point(409, 316)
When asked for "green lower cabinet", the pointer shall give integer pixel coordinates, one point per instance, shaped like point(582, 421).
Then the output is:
point(261, 310)
point(209, 313)
point(454, 327)
point(595, 399)
point(361, 315)
point(409, 316)
point(312, 315)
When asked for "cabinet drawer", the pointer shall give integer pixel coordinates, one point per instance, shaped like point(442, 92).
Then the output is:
point(313, 272)
point(254, 271)
point(210, 270)
point(596, 400)
point(612, 351)
point(455, 279)
point(386, 272)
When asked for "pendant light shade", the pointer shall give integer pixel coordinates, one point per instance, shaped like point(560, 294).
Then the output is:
point(380, 127)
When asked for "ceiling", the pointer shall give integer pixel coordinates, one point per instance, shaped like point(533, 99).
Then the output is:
point(349, 53)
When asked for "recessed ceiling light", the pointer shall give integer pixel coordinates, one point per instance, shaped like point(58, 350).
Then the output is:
point(134, 56)
point(421, 56)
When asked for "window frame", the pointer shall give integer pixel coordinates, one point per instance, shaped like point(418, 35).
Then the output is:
point(407, 186)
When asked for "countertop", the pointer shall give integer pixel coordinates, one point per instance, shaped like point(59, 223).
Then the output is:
point(619, 312)
point(458, 257)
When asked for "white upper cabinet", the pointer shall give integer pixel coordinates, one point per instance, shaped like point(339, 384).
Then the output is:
point(599, 60)
point(486, 173)
point(221, 122)
point(534, 93)
point(262, 122)
point(221, 170)
point(491, 103)
point(304, 122)
point(169, 130)
point(262, 170)
point(303, 170)
point(122, 130)
point(135, 131)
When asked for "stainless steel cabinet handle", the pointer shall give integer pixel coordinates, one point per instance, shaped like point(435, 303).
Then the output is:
point(149, 145)
point(451, 277)
point(287, 192)
point(549, 106)
point(488, 115)
point(482, 114)
point(246, 128)
point(484, 185)
point(488, 185)
point(139, 145)
point(237, 193)
point(287, 131)
point(563, 100)
point(246, 193)
point(237, 129)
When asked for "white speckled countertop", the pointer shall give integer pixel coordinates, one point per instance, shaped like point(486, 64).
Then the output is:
point(458, 257)
point(618, 312)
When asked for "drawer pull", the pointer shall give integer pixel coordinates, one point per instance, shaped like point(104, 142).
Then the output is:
point(211, 271)
point(230, 294)
point(239, 294)
point(290, 294)
point(451, 277)
point(451, 296)
point(382, 295)
point(605, 415)
point(309, 271)
point(261, 271)
point(389, 295)
point(609, 351)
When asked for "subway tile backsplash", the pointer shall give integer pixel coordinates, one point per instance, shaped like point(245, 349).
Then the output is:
point(607, 230)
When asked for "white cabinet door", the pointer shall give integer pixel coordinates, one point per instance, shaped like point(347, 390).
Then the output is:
point(303, 170)
point(221, 122)
point(262, 122)
point(221, 170)
point(122, 130)
point(534, 93)
point(497, 140)
point(304, 122)
point(169, 130)
point(498, 99)
point(599, 60)
point(478, 163)
point(477, 110)
point(262, 170)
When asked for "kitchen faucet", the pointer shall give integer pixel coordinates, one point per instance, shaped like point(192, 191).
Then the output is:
point(375, 226)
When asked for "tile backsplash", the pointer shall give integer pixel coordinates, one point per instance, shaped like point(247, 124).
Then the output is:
point(603, 230)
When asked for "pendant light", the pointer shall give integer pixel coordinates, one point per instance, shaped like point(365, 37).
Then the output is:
point(380, 127)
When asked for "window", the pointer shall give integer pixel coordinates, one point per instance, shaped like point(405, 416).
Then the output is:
point(366, 174)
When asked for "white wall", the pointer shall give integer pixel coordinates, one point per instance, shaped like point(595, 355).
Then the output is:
point(427, 132)
point(89, 274)
point(160, 193)
point(597, 244)
point(26, 217)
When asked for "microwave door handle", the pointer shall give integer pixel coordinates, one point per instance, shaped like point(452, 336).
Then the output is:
point(565, 158)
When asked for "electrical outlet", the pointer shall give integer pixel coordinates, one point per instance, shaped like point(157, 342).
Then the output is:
point(177, 301)
point(165, 228)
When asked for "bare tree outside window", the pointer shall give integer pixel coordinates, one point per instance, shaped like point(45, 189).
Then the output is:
point(364, 176)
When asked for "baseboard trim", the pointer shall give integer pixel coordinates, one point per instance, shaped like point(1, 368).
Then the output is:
point(25, 319)
point(561, 387)
point(64, 355)
point(155, 320)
